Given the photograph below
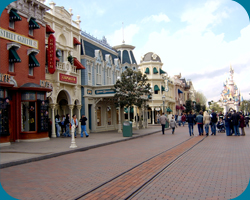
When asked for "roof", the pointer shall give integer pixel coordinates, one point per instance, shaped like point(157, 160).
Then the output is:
point(151, 57)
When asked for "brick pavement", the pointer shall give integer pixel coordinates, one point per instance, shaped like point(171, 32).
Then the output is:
point(217, 168)
point(74, 174)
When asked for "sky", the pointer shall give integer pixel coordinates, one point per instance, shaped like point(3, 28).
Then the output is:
point(199, 39)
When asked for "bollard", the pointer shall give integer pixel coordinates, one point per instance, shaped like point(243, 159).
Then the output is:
point(73, 143)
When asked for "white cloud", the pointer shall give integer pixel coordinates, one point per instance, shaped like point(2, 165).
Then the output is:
point(156, 18)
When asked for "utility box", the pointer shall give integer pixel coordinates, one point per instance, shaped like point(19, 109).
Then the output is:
point(127, 129)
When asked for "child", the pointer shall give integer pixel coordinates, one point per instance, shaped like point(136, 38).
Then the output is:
point(173, 124)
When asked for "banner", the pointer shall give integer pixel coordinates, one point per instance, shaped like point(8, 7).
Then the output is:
point(51, 54)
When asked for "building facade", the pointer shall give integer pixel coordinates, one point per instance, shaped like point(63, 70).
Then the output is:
point(24, 109)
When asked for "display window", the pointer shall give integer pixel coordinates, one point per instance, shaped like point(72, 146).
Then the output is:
point(4, 116)
point(99, 116)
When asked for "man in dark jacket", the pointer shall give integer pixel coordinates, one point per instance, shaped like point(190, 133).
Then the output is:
point(83, 126)
point(199, 121)
point(235, 120)
point(213, 122)
point(190, 120)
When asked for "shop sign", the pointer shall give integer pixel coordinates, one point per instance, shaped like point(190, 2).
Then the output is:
point(46, 84)
point(157, 109)
point(4, 78)
point(67, 78)
point(51, 54)
point(105, 91)
point(12, 36)
point(89, 91)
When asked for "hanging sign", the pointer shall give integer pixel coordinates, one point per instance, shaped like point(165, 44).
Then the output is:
point(51, 54)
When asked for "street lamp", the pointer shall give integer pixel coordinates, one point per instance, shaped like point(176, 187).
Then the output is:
point(163, 99)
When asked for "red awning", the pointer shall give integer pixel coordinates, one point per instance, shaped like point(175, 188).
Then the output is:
point(57, 59)
point(177, 107)
point(49, 29)
point(76, 41)
point(78, 64)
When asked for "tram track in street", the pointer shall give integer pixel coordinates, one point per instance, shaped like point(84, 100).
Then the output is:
point(129, 183)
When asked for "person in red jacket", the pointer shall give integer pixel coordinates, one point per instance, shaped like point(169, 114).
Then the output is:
point(183, 119)
point(242, 124)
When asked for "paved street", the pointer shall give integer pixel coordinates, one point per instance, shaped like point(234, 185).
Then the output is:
point(217, 167)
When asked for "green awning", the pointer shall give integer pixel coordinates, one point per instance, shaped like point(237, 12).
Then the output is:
point(13, 56)
point(131, 110)
point(33, 24)
point(155, 70)
point(162, 72)
point(147, 71)
point(13, 16)
point(156, 88)
point(33, 61)
point(162, 88)
point(169, 110)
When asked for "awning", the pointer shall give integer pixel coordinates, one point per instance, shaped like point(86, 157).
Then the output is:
point(57, 59)
point(33, 24)
point(78, 64)
point(162, 72)
point(13, 56)
point(147, 71)
point(14, 16)
point(76, 41)
point(169, 110)
point(33, 61)
point(177, 107)
point(179, 91)
point(156, 88)
point(162, 88)
point(131, 110)
point(49, 29)
point(155, 71)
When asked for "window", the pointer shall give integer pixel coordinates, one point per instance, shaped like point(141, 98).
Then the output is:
point(28, 116)
point(31, 31)
point(32, 25)
point(109, 115)
point(33, 62)
point(98, 75)
point(13, 58)
point(31, 71)
point(11, 67)
point(13, 16)
point(11, 24)
point(89, 74)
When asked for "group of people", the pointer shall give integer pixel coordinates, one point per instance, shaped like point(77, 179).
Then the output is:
point(231, 122)
point(65, 124)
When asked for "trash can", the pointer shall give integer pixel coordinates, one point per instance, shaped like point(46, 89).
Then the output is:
point(127, 129)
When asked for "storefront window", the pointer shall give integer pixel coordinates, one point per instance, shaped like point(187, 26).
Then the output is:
point(4, 116)
point(99, 116)
point(28, 113)
point(1, 93)
point(109, 115)
point(40, 95)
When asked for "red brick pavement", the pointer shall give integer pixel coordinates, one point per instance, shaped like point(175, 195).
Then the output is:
point(71, 175)
point(217, 168)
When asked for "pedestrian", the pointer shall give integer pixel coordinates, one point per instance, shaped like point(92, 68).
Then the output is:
point(158, 118)
point(214, 120)
point(74, 121)
point(206, 121)
point(67, 124)
point(63, 127)
point(247, 121)
point(199, 121)
point(235, 121)
point(173, 124)
point(50, 127)
point(242, 124)
point(163, 120)
point(83, 126)
point(179, 120)
point(183, 119)
point(57, 123)
point(190, 120)
point(227, 124)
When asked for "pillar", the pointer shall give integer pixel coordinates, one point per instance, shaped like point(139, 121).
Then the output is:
point(143, 116)
point(136, 123)
point(119, 120)
point(153, 115)
point(52, 106)
point(79, 117)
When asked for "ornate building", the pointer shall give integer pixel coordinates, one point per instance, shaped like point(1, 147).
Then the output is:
point(230, 95)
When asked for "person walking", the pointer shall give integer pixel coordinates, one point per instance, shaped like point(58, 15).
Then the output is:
point(173, 124)
point(183, 119)
point(228, 124)
point(235, 121)
point(190, 120)
point(242, 124)
point(206, 122)
point(247, 121)
point(57, 123)
point(67, 123)
point(74, 121)
point(163, 120)
point(63, 127)
point(179, 119)
point(83, 126)
point(214, 120)
point(199, 121)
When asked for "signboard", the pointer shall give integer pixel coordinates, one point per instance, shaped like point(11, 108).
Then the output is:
point(67, 78)
point(51, 54)
point(89, 91)
point(106, 91)
point(4, 78)
point(12, 36)
point(46, 84)
point(157, 109)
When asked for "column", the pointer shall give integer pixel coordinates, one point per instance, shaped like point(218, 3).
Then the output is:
point(143, 116)
point(136, 124)
point(52, 106)
point(71, 111)
point(153, 115)
point(119, 120)
point(79, 117)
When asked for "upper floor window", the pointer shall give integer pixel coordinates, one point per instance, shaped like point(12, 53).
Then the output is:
point(13, 58)
point(13, 16)
point(33, 25)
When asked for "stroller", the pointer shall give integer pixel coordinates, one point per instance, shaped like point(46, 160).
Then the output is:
point(221, 127)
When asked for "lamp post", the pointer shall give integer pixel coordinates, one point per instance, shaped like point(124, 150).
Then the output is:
point(163, 99)
point(119, 110)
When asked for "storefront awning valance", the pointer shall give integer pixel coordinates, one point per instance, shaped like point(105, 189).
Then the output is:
point(155, 71)
point(147, 71)
point(49, 29)
point(76, 41)
point(179, 91)
point(78, 64)
point(33, 24)
point(162, 72)
point(14, 16)
point(13, 56)
point(156, 88)
point(33, 61)
point(162, 88)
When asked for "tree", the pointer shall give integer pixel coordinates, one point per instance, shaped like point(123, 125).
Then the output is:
point(131, 89)
point(198, 107)
point(245, 106)
point(188, 105)
point(200, 98)
point(215, 106)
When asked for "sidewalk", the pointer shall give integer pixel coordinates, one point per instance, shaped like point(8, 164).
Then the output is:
point(24, 152)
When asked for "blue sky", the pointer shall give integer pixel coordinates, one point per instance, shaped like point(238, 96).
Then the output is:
point(199, 39)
